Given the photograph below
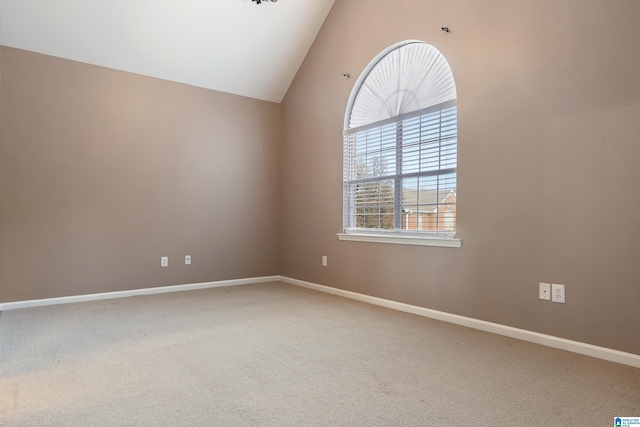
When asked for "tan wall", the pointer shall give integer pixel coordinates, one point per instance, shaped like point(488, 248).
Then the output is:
point(103, 172)
point(548, 105)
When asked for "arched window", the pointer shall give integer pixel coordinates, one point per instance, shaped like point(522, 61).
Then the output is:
point(400, 145)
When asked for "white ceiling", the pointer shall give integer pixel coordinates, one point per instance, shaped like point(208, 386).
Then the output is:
point(234, 46)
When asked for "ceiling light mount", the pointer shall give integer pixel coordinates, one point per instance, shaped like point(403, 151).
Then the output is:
point(260, 1)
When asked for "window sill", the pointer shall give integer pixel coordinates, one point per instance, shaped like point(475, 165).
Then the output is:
point(401, 240)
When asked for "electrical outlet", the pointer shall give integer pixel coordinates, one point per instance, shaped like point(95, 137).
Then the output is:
point(324, 261)
point(557, 293)
point(545, 291)
point(164, 261)
point(187, 259)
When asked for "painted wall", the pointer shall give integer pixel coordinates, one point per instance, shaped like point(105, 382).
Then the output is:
point(103, 172)
point(549, 155)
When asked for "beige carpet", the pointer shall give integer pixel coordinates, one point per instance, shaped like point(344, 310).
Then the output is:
point(277, 355)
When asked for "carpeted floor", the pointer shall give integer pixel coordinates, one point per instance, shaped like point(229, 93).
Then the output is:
point(277, 355)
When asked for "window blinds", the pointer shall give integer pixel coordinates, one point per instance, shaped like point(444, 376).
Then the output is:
point(405, 79)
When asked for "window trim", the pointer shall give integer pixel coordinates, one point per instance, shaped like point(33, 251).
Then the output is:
point(401, 239)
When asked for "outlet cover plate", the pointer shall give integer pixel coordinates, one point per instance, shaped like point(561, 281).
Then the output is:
point(557, 293)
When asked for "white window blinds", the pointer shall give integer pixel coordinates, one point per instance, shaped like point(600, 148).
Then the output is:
point(405, 78)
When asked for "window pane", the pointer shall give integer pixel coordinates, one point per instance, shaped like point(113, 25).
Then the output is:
point(437, 197)
point(373, 205)
point(375, 151)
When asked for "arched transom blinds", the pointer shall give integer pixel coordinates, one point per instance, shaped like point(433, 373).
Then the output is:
point(406, 77)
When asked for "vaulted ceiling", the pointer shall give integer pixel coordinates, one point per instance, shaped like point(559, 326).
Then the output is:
point(234, 46)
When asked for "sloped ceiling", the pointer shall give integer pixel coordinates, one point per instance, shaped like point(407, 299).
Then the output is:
point(234, 46)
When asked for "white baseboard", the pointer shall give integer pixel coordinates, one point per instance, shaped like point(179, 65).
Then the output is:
point(508, 331)
point(604, 353)
point(123, 294)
